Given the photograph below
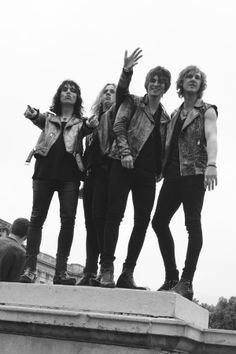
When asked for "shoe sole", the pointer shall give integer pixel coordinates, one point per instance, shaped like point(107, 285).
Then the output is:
point(93, 282)
point(108, 285)
point(121, 285)
point(60, 283)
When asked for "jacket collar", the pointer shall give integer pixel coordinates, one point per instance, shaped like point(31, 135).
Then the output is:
point(56, 119)
point(192, 115)
point(164, 115)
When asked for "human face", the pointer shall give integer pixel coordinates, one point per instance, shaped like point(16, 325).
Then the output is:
point(109, 94)
point(156, 87)
point(68, 94)
point(192, 82)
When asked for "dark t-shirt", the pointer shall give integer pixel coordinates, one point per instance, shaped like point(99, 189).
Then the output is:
point(12, 259)
point(93, 156)
point(58, 164)
point(149, 157)
point(173, 164)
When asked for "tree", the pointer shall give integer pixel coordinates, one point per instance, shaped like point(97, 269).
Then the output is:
point(223, 315)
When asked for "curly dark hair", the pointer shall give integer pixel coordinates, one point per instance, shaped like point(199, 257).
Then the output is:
point(182, 75)
point(163, 74)
point(56, 102)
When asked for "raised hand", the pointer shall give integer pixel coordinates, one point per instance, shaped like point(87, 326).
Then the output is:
point(30, 112)
point(132, 60)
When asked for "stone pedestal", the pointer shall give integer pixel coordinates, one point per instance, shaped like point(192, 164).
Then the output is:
point(71, 319)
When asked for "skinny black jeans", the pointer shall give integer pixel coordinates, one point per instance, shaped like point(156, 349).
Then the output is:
point(42, 195)
point(142, 185)
point(189, 191)
point(95, 205)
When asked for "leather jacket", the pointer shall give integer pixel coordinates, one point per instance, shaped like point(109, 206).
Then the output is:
point(192, 141)
point(50, 124)
point(133, 125)
point(106, 119)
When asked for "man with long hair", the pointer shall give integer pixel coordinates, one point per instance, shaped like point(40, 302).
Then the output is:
point(136, 154)
point(58, 168)
point(189, 169)
point(98, 163)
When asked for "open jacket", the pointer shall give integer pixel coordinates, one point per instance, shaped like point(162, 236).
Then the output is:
point(192, 140)
point(50, 124)
point(106, 119)
point(133, 125)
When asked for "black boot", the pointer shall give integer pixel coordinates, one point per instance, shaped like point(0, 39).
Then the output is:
point(97, 280)
point(184, 288)
point(126, 280)
point(30, 273)
point(85, 280)
point(61, 276)
point(168, 285)
point(107, 276)
point(29, 276)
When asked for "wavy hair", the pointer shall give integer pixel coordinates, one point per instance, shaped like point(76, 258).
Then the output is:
point(163, 74)
point(56, 102)
point(182, 75)
point(97, 105)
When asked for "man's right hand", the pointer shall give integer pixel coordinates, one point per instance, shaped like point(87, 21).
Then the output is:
point(30, 112)
point(127, 161)
point(132, 60)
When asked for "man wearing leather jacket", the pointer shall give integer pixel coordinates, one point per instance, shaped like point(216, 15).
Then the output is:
point(189, 169)
point(137, 153)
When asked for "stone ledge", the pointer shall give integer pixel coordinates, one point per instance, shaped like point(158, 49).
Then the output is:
point(114, 301)
point(94, 320)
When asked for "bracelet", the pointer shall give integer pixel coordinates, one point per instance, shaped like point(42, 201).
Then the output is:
point(211, 165)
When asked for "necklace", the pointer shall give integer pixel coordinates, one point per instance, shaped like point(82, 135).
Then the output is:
point(65, 119)
point(185, 112)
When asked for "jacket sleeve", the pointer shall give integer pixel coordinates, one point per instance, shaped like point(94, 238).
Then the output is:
point(121, 125)
point(40, 119)
point(122, 91)
point(86, 130)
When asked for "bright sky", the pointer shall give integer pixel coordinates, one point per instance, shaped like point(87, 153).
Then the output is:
point(44, 42)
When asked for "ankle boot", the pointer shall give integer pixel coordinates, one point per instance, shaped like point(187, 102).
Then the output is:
point(107, 276)
point(85, 280)
point(168, 285)
point(61, 276)
point(96, 281)
point(184, 288)
point(126, 280)
point(29, 276)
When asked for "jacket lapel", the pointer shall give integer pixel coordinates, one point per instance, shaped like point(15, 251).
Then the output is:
point(164, 116)
point(193, 114)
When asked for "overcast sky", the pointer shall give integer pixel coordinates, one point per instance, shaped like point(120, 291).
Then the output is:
point(46, 41)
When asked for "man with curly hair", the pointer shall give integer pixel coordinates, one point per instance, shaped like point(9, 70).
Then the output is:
point(189, 169)
point(58, 168)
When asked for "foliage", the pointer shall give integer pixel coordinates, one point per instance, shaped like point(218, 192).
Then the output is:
point(223, 315)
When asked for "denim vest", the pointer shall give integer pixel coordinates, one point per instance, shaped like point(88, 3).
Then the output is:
point(192, 141)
